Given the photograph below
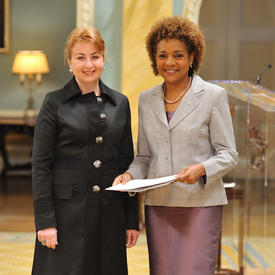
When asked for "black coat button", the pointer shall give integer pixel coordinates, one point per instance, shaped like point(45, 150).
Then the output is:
point(103, 116)
point(95, 188)
point(99, 100)
point(99, 140)
point(97, 163)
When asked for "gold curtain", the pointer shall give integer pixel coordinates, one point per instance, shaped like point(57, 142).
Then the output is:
point(137, 74)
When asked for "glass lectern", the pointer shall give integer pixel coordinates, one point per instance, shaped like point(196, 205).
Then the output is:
point(248, 231)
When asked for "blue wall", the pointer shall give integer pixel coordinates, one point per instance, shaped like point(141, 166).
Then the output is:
point(36, 25)
point(177, 7)
point(108, 20)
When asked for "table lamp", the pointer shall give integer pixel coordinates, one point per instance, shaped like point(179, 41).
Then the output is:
point(33, 64)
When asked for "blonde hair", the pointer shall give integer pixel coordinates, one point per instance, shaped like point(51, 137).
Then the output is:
point(85, 35)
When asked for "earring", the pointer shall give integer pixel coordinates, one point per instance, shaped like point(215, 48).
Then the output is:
point(191, 70)
point(157, 69)
point(70, 70)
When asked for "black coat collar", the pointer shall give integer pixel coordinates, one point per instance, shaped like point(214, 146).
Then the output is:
point(72, 89)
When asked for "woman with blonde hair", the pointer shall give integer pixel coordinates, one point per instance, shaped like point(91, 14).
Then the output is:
point(82, 142)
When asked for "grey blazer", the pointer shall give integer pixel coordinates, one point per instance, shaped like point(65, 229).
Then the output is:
point(200, 131)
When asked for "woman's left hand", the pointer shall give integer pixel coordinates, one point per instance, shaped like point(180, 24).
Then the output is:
point(123, 178)
point(191, 173)
point(131, 237)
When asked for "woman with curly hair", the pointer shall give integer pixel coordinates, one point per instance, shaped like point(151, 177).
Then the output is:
point(185, 128)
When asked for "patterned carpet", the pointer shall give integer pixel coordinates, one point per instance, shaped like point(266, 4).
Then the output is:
point(258, 253)
point(16, 251)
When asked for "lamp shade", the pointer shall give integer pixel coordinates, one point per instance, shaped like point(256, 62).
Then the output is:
point(30, 62)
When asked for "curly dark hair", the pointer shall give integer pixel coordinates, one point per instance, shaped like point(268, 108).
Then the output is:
point(180, 28)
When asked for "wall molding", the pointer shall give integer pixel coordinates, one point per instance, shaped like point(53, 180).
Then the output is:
point(191, 10)
point(84, 13)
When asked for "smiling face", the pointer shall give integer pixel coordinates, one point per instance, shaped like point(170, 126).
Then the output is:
point(86, 62)
point(173, 60)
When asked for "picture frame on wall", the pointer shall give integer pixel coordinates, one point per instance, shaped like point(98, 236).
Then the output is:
point(4, 26)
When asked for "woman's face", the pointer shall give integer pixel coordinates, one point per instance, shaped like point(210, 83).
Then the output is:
point(86, 62)
point(173, 60)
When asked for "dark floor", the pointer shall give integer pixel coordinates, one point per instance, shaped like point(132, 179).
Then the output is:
point(16, 210)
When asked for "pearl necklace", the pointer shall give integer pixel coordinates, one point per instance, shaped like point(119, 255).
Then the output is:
point(181, 94)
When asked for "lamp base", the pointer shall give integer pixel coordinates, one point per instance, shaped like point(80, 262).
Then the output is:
point(30, 104)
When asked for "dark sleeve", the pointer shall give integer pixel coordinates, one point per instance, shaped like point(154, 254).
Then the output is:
point(42, 159)
point(126, 150)
point(126, 155)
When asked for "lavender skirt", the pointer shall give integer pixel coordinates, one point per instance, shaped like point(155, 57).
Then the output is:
point(183, 240)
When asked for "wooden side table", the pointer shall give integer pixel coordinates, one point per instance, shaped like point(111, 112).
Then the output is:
point(19, 122)
point(234, 192)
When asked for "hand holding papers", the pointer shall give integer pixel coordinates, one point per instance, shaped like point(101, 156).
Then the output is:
point(142, 185)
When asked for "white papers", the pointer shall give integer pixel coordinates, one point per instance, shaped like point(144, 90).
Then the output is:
point(230, 185)
point(142, 185)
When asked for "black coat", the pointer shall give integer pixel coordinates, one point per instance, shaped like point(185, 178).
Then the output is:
point(81, 143)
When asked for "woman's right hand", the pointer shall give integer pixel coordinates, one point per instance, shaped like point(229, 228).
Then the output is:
point(123, 178)
point(48, 237)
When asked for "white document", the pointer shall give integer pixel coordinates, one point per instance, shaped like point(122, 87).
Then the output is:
point(142, 185)
point(230, 185)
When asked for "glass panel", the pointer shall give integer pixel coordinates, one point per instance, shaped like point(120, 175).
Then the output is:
point(249, 224)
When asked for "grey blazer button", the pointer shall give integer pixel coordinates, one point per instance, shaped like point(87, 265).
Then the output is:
point(97, 163)
point(95, 188)
point(103, 116)
point(99, 140)
point(99, 100)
